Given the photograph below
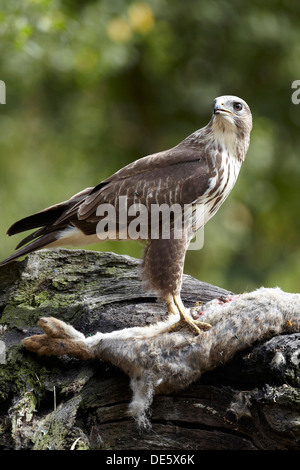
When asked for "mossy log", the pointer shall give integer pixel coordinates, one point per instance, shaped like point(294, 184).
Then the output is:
point(60, 403)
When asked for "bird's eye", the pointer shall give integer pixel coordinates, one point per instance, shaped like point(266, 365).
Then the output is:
point(237, 106)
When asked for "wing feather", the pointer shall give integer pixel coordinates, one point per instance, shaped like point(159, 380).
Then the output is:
point(180, 175)
point(176, 177)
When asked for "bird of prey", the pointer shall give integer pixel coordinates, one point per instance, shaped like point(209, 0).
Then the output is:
point(199, 172)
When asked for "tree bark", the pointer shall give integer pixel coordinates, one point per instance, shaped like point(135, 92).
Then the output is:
point(250, 402)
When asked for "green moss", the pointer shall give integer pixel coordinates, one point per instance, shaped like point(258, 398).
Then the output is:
point(18, 375)
point(54, 431)
point(53, 282)
point(51, 437)
point(22, 412)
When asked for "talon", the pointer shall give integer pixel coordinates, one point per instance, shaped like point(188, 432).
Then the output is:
point(203, 325)
point(175, 305)
point(186, 322)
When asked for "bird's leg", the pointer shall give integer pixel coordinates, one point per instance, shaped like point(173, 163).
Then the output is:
point(172, 309)
point(175, 305)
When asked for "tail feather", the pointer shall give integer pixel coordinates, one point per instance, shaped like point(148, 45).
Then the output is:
point(46, 223)
point(30, 237)
point(41, 242)
point(46, 217)
point(36, 234)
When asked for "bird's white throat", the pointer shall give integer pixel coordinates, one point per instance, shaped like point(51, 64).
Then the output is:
point(226, 136)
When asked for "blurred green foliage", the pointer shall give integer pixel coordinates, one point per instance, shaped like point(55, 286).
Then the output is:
point(91, 85)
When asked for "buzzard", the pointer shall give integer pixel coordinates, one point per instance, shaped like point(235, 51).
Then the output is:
point(197, 174)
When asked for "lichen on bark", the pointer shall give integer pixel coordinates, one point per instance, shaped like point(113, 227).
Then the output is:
point(252, 402)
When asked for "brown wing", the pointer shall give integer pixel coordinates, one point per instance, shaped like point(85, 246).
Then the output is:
point(180, 175)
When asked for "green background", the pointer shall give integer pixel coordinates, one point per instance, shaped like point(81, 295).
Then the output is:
point(94, 85)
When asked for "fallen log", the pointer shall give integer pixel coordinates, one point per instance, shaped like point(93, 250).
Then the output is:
point(110, 357)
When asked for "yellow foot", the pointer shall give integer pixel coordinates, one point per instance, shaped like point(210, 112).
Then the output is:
point(203, 325)
point(175, 306)
point(192, 325)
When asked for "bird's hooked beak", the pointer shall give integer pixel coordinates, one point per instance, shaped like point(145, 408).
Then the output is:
point(219, 108)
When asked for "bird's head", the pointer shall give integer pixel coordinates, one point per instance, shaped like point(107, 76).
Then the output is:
point(231, 124)
point(232, 112)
